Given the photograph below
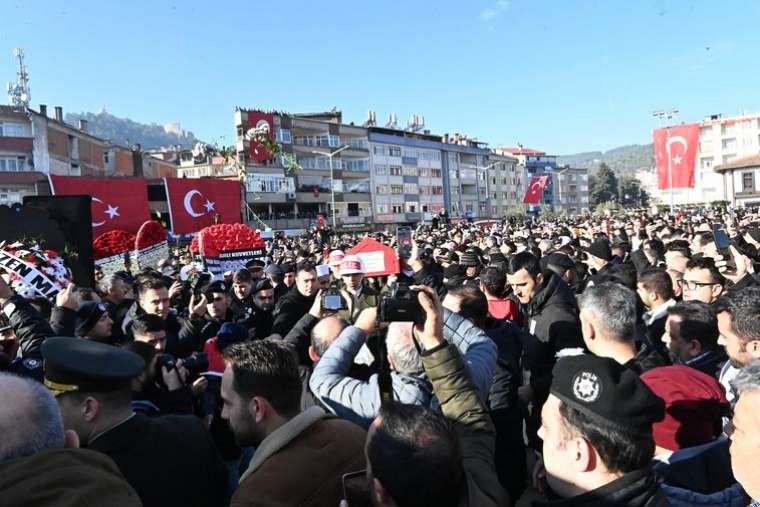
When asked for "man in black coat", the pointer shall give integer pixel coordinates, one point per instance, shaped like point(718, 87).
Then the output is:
point(295, 303)
point(551, 329)
point(169, 460)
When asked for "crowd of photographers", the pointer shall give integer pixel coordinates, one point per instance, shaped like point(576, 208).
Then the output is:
point(587, 361)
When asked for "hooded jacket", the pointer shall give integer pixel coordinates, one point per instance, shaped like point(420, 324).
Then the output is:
point(65, 478)
point(359, 401)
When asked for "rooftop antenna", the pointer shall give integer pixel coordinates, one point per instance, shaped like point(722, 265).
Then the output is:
point(19, 94)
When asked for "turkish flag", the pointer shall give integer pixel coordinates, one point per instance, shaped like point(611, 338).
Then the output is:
point(117, 203)
point(257, 119)
point(194, 202)
point(675, 152)
point(535, 189)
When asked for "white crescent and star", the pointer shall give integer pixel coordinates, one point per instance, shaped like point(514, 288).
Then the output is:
point(189, 205)
point(680, 140)
point(111, 211)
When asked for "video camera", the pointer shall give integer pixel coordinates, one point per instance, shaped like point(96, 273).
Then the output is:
point(332, 300)
point(400, 304)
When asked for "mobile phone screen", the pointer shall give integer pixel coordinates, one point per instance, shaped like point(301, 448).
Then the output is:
point(404, 235)
point(721, 238)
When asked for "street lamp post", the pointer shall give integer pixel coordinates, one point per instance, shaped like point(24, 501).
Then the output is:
point(669, 115)
point(332, 179)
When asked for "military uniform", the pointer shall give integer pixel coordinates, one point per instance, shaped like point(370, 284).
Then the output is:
point(169, 460)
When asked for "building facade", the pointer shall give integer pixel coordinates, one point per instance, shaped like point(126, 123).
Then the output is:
point(741, 181)
point(506, 184)
point(569, 187)
point(536, 163)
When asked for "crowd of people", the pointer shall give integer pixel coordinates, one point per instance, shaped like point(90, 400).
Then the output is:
point(574, 361)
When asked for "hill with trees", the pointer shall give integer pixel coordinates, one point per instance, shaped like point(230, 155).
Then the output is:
point(624, 160)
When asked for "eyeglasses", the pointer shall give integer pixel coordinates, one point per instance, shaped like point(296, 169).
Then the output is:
point(693, 285)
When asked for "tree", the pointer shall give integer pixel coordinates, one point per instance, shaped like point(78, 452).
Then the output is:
point(605, 186)
point(631, 193)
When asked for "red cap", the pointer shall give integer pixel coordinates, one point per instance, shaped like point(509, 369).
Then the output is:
point(694, 405)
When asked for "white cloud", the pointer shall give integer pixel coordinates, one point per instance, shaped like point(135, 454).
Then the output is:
point(487, 14)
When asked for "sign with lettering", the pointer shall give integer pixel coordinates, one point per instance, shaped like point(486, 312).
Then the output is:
point(29, 275)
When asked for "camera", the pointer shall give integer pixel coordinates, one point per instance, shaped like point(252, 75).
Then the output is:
point(400, 304)
point(166, 361)
point(199, 280)
point(332, 300)
point(197, 363)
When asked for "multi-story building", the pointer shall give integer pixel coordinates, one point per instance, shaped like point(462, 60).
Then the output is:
point(334, 159)
point(721, 141)
point(407, 178)
point(506, 183)
point(465, 169)
point(537, 163)
point(570, 185)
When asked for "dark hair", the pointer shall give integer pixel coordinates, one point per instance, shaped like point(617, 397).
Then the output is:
point(146, 323)
point(415, 453)
point(526, 261)
point(698, 322)
point(150, 283)
point(305, 266)
point(268, 369)
point(494, 280)
point(657, 280)
point(242, 275)
point(262, 284)
point(704, 237)
point(744, 307)
point(621, 450)
point(679, 245)
point(709, 264)
point(473, 304)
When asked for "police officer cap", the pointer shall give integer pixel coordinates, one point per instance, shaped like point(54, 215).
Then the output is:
point(275, 269)
point(288, 267)
point(255, 264)
point(560, 260)
point(79, 365)
point(604, 390)
point(215, 287)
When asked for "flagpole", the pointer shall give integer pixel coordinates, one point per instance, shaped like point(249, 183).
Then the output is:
point(669, 115)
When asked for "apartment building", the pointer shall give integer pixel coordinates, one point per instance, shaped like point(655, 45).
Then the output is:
point(506, 183)
point(741, 181)
point(569, 185)
point(335, 166)
point(407, 179)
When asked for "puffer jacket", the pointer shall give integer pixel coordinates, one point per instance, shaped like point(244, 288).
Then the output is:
point(31, 330)
point(701, 476)
point(359, 401)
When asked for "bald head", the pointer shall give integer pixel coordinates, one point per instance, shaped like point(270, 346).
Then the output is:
point(324, 333)
point(30, 421)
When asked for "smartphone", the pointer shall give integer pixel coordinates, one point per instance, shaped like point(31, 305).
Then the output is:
point(355, 489)
point(722, 243)
point(404, 242)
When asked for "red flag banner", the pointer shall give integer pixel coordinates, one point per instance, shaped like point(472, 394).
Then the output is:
point(116, 203)
point(535, 189)
point(194, 202)
point(675, 155)
point(258, 120)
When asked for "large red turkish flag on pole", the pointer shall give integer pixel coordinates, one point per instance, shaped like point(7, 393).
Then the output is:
point(195, 202)
point(535, 189)
point(116, 203)
point(675, 155)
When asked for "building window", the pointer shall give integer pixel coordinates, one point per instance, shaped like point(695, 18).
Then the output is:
point(397, 208)
point(409, 171)
point(748, 181)
point(395, 170)
point(381, 170)
point(707, 163)
point(379, 150)
point(12, 164)
point(12, 129)
point(394, 151)
point(410, 188)
point(409, 153)
point(383, 208)
point(383, 189)
point(397, 189)
point(435, 173)
point(424, 172)
point(411, 207)
point(284, 136)
point(437, 190)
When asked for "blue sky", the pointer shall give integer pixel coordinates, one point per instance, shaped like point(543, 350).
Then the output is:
point(562, 76)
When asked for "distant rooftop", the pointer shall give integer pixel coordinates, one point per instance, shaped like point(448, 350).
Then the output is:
point(520, 150)
point(740, 163)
